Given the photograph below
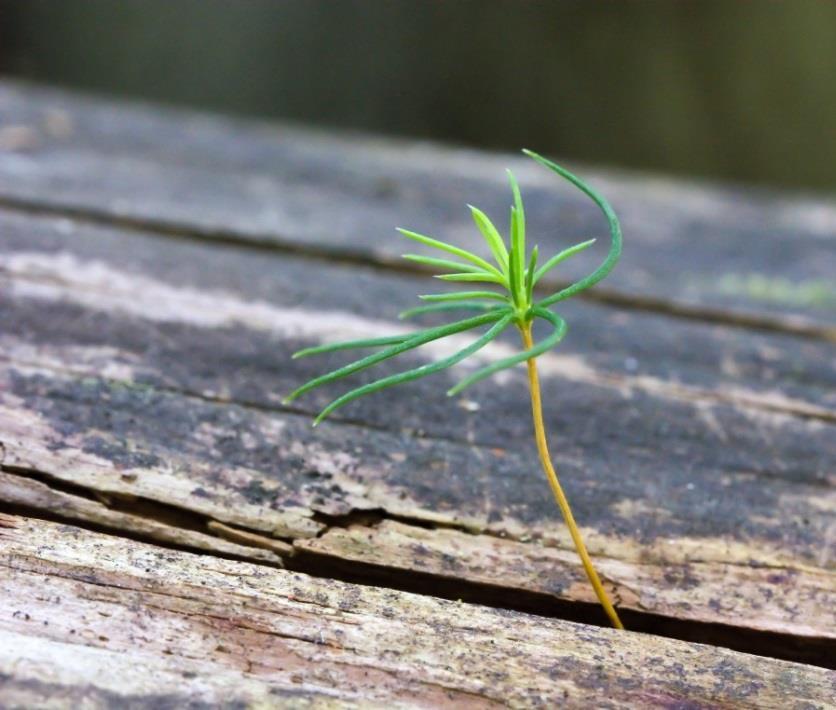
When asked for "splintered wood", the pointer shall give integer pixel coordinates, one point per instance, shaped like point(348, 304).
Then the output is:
point(101, 619)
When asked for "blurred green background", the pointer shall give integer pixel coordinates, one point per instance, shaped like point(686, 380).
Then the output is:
point(727, 90)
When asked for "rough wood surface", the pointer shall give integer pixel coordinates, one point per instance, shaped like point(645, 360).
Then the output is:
point(140, 368)
point(144, 351)
point(109, 622)
point(688, 245)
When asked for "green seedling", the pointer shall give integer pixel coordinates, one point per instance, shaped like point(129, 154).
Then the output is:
point(515, 275)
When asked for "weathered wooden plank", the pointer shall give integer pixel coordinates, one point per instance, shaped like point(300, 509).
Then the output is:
point(113, 349)
point(78, 608)
point(37, 672)
point(754, 572)
point(794, 601)
point(747, 253)
point(24, 492)
point(620, 349)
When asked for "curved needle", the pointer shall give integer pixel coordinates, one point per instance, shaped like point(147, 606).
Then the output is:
point(615, 232)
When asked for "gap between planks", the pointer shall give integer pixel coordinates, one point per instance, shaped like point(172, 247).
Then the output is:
point(116, 621)
point(173, 527)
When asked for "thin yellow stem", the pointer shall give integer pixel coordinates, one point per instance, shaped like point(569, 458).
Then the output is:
point(559, 496)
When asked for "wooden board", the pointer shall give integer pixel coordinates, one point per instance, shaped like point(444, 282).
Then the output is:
point(157, 269)
point(141, 368)
point(732, 255)
point(100, 620)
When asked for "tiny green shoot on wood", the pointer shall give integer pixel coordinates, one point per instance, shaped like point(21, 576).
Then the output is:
point(515, 274)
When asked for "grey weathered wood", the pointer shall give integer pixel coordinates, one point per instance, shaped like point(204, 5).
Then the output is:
point(620, 348)
point(287, 186)
point(144, 350)
point(107, 622)
point(138, 366)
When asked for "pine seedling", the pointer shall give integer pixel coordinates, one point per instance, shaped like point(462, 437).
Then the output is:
point(509, 302)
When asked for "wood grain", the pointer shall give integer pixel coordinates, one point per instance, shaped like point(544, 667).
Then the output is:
point(89, 618)
point(148, 370)
point(157, 270)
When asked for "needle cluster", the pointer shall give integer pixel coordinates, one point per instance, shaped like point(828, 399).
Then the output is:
point(512, 278)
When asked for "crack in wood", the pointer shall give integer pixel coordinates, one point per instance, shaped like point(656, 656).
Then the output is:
point(782, 603)
point(814, 651)
point(166, 525)
point(184, 519)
